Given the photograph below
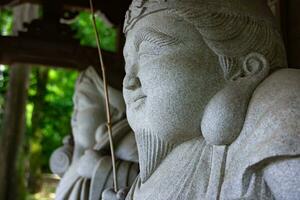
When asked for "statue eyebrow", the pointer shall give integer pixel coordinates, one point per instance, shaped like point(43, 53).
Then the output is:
point(153, 36)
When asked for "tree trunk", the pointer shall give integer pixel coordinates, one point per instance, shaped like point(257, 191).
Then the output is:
point(13, 130)
point(41, 75)
point(14, 116)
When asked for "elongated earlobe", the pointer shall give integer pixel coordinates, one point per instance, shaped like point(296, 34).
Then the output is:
point(224, 116)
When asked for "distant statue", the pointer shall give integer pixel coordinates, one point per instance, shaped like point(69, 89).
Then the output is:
point(214, 108)
point(84, 161)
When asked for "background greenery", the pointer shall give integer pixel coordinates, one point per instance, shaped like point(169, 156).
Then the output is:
point(49, 105)
point(5, 29)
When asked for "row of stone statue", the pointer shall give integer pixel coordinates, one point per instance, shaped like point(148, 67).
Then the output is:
point(213, 110)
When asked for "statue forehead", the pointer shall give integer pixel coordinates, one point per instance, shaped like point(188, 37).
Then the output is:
point(164, 23)
point(160, 21)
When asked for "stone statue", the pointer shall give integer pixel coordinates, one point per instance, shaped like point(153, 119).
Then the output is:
point(86, 168)
point(214, 108)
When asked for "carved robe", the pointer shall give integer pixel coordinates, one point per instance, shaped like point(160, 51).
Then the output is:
point(196, 170)
point(75, 186)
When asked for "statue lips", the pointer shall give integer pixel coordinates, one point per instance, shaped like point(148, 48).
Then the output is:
point(141, 97)
point(135, 98)
point(139, 100)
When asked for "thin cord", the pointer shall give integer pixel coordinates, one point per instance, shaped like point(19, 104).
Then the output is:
point(108, 116)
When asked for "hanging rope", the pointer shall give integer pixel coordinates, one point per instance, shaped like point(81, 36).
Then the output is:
point(108, 116)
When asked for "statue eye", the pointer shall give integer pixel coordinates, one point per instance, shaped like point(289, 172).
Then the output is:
point(153, 37)
point(145, 56)
point(148, 51)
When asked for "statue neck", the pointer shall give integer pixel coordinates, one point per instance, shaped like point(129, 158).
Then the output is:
point(77, 152)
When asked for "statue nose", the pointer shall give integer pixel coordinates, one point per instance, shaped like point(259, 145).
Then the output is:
point(132, 82)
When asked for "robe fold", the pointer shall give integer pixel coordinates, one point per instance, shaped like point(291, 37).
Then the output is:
point(196, 170)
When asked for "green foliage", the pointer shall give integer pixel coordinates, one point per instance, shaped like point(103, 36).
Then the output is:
point(4, 73)
point(54, 112)
point(54, 124)
point(6, 20)
point(49, 106)
point(85, 32)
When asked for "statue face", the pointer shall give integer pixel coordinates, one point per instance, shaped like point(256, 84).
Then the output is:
point(170, 76)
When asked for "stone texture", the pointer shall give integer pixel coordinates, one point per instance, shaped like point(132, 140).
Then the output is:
point(215, 112)
point(84, 162)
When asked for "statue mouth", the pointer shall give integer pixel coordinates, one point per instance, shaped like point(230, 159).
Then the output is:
point(134, 98)
point(138, 101)
point(139, 98)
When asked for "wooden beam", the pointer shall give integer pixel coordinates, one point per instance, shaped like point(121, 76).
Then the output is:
point(56, 54)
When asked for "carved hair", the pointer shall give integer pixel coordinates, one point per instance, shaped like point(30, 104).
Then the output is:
point(232, 36)
point(231, 28)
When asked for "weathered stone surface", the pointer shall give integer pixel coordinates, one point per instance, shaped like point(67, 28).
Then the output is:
point(215, 113)
point(86, 167)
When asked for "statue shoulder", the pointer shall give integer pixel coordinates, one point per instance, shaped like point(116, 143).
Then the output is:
point(283, 119)
point(276, 101)
point(270, 131)
point(272, 120)
point(283, 83)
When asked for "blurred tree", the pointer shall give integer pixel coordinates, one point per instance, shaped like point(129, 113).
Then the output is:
point(35, 130)
point(6, 20)
point(85, 32)
point(3, 87)
point(48, 117)
point(49, 105)
point(13, 127)
point(50, 102)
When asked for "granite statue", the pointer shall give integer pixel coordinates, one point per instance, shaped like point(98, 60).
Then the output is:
point(214, 108)
point(84, 162)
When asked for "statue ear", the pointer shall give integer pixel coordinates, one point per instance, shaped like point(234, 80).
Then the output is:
point(255, 67)
point(224, 115)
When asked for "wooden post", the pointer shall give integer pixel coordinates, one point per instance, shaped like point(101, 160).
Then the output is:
point(13, 131)
point(14, 116)
point(291, 25)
